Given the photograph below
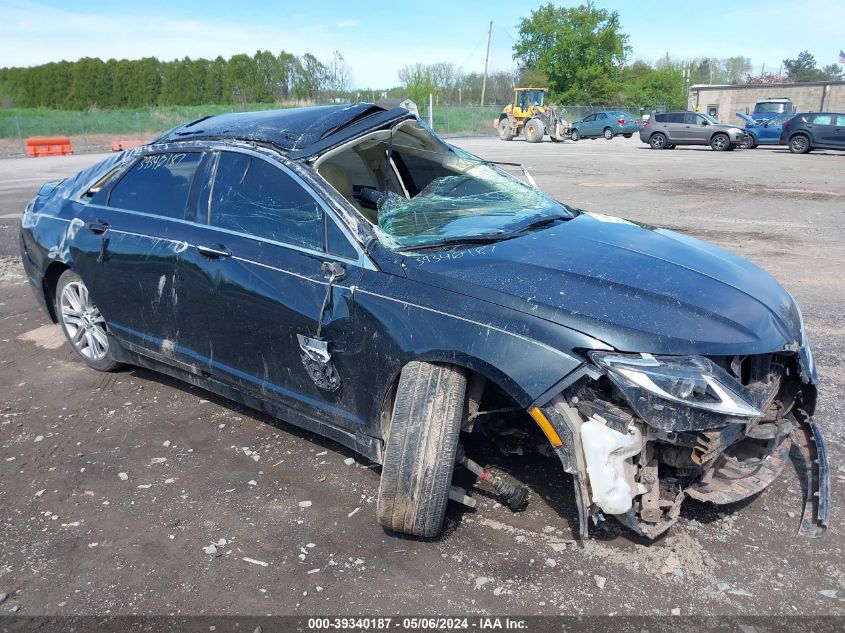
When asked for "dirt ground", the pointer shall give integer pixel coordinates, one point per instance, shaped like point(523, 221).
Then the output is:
point(113, 486)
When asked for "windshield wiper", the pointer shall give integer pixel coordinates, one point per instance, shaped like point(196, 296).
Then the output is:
point(536, 224)
point(484, 238)
point(488, 238)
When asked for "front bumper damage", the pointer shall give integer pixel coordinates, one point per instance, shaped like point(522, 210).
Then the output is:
point(641, 470)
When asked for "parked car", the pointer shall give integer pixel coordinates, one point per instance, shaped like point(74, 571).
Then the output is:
point(606, 125)
point(665, 130)
point(766, 133)
point(348, 271)
point(814, 130)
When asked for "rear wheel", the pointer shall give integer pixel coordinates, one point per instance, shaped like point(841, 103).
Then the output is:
point(627, 135)
point(534, 131)
point(608, 134)
point(419, 456)
point(657, 141)
point(799, 144)
point(575, 135)
point(505, 130)
point(83, 325)
point(720, 142)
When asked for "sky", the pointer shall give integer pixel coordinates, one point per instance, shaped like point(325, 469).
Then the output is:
point(377, 38)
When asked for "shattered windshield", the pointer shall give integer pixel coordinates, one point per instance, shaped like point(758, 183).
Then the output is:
point(419, 192)
point(481, 200)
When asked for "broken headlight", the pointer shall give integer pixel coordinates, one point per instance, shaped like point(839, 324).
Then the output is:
point(677, 392)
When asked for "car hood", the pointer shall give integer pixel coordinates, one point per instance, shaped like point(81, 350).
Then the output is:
point(633, 287)
point(749, 122)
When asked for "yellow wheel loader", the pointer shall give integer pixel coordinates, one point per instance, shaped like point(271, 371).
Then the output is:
point(530, 116)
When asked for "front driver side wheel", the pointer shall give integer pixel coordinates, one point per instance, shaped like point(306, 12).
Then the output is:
point(83, 325)
point(575, 135)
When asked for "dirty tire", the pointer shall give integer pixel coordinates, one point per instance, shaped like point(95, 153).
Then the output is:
point(720, 142)
point(799, 144)
point(84, 348)
point(657, 141)
point(534, 131)
point(575, 135)
point(608, 134)
point(505, 130)
point(420, 454)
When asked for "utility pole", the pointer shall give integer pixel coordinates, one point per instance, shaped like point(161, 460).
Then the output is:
point(486, 61)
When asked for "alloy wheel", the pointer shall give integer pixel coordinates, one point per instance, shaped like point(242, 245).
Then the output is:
point(83, 322)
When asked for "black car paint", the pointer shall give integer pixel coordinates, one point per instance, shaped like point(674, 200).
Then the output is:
point(521, 312)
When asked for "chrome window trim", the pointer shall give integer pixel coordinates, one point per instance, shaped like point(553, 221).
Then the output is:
point(362, 261)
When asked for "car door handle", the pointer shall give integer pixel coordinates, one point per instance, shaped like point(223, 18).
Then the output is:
point(213, 253)
point(97, 227)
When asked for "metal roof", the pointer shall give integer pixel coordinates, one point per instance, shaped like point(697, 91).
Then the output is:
point(288, 129)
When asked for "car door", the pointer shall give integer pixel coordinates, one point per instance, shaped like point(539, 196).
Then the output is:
point(674, 127)
point(697, 128)
point(587, 126)
point(835, 132)
point(127, 246)
point(258, 279)
point(600, 123)
point(821, 128)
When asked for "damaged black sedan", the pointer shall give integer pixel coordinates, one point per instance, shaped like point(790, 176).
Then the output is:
point(346, 270)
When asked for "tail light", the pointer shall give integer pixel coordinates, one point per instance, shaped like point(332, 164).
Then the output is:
point(646, 123)
point(620, 121)
point(785, 125)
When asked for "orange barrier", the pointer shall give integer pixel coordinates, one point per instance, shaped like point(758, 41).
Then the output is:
point(122, 144)
point(48, 146)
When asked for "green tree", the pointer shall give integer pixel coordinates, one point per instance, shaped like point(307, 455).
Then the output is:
point(418, 82)
point(580, 50)
point(804, 68)
point(646, 86)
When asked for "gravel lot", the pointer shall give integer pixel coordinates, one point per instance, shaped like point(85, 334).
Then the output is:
point(113, 484)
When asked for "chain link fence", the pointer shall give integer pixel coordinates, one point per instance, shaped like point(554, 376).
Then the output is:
point(94, 131)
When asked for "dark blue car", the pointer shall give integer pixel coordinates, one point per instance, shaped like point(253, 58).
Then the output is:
point(348, 271)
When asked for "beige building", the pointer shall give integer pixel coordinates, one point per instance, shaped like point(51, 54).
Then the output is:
point(724, 102)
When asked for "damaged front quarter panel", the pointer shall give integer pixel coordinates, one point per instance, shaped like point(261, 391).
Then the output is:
point(638, 458)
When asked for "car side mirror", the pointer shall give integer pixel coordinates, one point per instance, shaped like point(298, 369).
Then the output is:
point(704, 123)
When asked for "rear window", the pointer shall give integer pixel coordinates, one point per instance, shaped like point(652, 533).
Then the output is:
point(157, 184)
point(660, 118)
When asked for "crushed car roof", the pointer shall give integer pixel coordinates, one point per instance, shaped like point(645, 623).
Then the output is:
point(289, 129)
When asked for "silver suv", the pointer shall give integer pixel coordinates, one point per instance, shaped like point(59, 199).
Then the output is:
point(668, 129)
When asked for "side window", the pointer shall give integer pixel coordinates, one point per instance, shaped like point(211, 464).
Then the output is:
point(840, 120)
point(675, 117)
point(660, 118)
point(252, 196)
point(601, 116)
point(157, 184)
point(337, 243)
point(592, 117)
point(823, 119)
